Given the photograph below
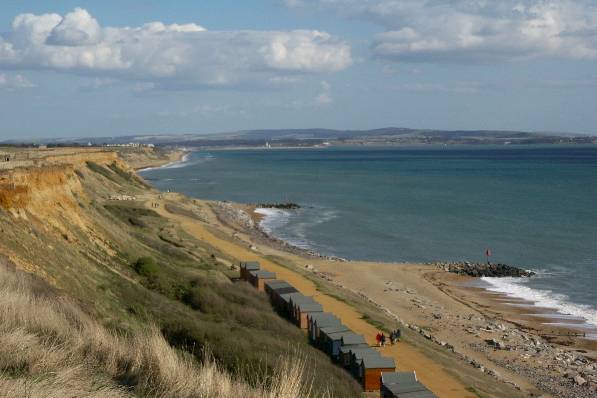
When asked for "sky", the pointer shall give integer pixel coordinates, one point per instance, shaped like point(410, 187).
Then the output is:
point(127, 67)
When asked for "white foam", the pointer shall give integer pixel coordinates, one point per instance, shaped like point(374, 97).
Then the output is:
point(281, 224)
point(515, 287)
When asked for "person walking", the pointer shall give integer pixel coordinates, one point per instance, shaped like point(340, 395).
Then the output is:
point(383, 339)
point(378, 339)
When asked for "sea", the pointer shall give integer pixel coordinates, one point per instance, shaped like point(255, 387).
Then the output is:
point(534, 207)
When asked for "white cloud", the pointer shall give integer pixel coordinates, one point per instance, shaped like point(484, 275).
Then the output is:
point(14, 82)
point(477, 30)
point(325, 96)
point(183, 55)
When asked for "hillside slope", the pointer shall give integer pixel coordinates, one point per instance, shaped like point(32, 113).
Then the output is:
point(78, 222)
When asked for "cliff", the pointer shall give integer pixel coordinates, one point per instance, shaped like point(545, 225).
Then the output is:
point(81, 222)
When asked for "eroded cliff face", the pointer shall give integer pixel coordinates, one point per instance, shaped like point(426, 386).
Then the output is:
point(48, 207)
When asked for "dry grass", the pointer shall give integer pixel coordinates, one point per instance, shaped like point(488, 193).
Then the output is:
point(50, 348)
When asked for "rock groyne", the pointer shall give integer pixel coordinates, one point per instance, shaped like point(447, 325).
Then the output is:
point(478, 270)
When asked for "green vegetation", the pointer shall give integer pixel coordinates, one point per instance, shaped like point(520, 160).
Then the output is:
point(132, 271)
point(50, 348)
point(146, 266)
point(127, 176)
point(99, 169)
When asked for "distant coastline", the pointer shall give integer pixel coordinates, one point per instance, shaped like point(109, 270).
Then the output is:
point(183, 157)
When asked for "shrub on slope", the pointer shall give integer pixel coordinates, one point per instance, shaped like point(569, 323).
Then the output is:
point(50, 348)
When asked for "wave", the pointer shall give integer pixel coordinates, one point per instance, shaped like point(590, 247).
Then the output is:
point(515, 287)
point(292, 226)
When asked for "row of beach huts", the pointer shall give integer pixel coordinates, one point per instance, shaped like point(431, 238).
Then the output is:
point(326, 332)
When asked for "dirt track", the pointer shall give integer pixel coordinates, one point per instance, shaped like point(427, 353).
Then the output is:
point(407, 358)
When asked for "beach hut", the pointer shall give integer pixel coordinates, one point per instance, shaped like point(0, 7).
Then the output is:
point(295, 300)
point(403, 385)
point(318, 320)
point(246, 267)
point(286, 301)
point(302, 312)
point(335, 341)
point(356, 356)
point(275, 288)
point(258, 278)
point(324, 341)
point(371, 368)
point(346, 353)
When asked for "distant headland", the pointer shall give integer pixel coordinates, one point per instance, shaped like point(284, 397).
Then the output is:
point(321, 137)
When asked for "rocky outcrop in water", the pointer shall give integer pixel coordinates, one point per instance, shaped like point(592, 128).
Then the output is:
point(478, 270)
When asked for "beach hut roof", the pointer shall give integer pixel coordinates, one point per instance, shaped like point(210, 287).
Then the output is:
point(388, 378)
point(275, 283)
point(411, 391)
point(324, 319)
point(346, 349)
point(334, 329)
point(352, 339)
point(377, 362)
point(280, 286)
point(285, 290)
point(262, 274)
point(320, 315)
point(360, 354)
point(296, 298)
point(405, 385)
point(309, 307)
point(250, 265)
point(290, 296)
point(340, 334)
point(302, 299)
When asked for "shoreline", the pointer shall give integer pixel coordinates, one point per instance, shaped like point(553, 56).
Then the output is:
point(551, 314)
point(490, 320)
point(181, 157)
point(480, 328)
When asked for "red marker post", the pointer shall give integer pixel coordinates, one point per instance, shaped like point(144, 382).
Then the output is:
point(487, 254)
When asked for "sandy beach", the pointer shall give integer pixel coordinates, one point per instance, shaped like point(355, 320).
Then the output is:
point(489, 333)
point(455, 333)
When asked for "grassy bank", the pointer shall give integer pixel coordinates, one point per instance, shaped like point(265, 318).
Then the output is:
point(134, 303)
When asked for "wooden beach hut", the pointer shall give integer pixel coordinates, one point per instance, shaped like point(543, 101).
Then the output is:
point(275, 288)
point(371, 368)
point(246, 267)
point(324, 341)
point(286, 301)
point(302, 312)
point(295, 300)
point(335, 341)
point(258, 278)
point(318, 320)
point(356, 356)
point(403, 385)
point(346, 353)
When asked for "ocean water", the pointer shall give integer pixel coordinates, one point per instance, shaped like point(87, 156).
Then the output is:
point(534, 207)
